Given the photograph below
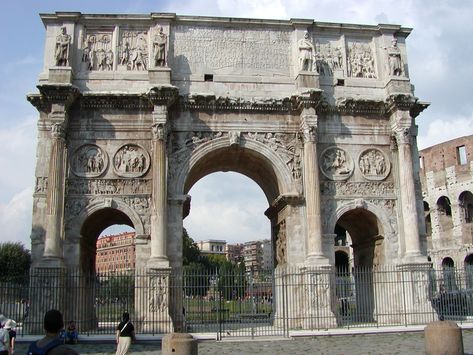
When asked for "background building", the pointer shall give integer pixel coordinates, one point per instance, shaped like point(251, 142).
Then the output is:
point(115, 253)
point(447, 184)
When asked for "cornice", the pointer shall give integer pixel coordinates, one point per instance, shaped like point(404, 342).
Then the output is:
point(209, 102)
point(50, 94)
point(163, 95)
point(115, 101)
point(282, 201)
point(402, 102)
point(352, 106)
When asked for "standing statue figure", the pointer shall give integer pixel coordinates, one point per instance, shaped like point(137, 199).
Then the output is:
point(159, 45)
point(61, 53)
point(394, 58)
point(306, 53)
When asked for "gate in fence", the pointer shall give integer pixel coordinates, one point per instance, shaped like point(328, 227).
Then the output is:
point(237, 304)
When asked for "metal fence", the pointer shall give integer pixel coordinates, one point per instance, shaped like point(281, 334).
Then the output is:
point(228, 303)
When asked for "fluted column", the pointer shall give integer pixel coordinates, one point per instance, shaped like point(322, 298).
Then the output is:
point(407, 191)
point(55, 192)
point(158, 257)
point(315, 255)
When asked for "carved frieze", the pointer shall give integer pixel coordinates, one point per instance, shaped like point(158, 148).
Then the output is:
point(89, 160)
point(374, 164)
point(41, 185)
point(139, 204)
point(82, 186)
point(74, 206)
point(360, 60)
point(281, 243)
point(226, 50)
point(342, 189)
point(97, 51)
point(158, 295)
point(328, 58)
point(286, 145)
point(131, 160)
point(336, 163)
point(133, 50)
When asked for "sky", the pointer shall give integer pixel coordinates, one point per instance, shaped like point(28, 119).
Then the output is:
point(229, 206)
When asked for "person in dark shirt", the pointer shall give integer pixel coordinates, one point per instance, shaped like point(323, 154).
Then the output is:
point(52, 343)
point(125, 334)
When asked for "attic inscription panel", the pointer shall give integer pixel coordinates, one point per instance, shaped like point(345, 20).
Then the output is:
point(224, 50)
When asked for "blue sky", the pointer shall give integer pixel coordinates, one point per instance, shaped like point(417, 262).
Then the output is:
point(229, 206)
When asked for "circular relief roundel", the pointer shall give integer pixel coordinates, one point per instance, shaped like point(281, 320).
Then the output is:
point(89, 160)
point(374, 164)
point(336, 163)
point(131, 160)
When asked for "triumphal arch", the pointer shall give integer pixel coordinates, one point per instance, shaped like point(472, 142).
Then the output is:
point(135, 109)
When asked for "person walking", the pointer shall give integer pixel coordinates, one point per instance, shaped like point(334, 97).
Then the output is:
point(125, 334)
point(4, 339)
point(52, 343)
point(9, 327)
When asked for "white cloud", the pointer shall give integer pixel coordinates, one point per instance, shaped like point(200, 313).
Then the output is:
point(439, 131)
point(15, 218)
point(18, 157)
point(227, 206)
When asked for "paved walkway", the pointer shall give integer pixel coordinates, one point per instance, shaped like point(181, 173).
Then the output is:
point(361, 344)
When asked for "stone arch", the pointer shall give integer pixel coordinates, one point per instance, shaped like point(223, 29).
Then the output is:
point(271, 174)
point(466, 204)
point(449, 275)
point(92, 220)
point(444, 209)
point(361, 204)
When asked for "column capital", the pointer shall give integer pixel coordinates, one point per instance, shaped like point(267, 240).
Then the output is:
point(309, 129)
point(58, 130)
point(159, 131)
point(403, 135)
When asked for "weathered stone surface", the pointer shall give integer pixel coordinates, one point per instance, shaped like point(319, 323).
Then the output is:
point(321, 117)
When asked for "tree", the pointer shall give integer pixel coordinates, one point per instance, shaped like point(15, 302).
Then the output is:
point(15, 262)
point(190, 250)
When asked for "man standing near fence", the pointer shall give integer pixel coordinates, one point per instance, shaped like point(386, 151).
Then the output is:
point(52, 343)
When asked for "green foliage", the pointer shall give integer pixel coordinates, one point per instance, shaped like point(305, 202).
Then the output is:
point(119, 289)
point(15, 262)
point(190, 251)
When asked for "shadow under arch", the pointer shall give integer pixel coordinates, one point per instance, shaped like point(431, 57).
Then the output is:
point(363, 222)
point(251, 158)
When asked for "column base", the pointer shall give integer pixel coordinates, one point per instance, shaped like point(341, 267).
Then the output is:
point(414, 258)
point(319, 260)
point(51, 262)
point(157, 311)
point(158, 262)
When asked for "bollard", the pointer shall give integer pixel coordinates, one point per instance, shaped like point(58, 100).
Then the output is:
point(179, 344)
point(443, 338)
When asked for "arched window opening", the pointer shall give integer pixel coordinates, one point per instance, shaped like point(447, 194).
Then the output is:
point(466, 204)
point(449, 277)
point(428, 222)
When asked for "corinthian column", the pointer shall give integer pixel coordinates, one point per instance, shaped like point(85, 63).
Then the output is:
point(408, 195)
point(158, 258)
point(315, 255)
point(55, 194)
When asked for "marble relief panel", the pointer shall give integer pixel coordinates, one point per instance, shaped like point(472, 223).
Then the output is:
point(227, 50)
